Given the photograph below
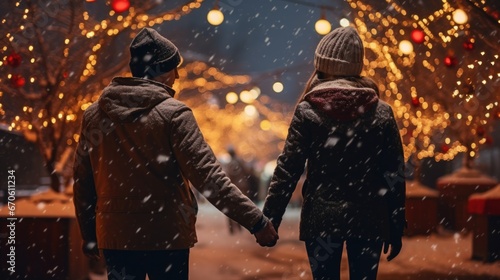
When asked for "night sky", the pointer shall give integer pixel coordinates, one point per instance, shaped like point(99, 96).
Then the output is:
point(271, 40)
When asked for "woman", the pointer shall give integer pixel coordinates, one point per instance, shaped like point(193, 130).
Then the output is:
point(354, 191)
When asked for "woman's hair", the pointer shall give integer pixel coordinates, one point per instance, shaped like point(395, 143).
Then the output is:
point(317, 75)
point(308, 86)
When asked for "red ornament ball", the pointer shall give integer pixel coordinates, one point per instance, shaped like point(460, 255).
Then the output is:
point(418, 36)
point(17, 81)
point(14, 59)
point(415, 102)
point(469, 44)
point(120, 6)
point(450, 61)
point(445, 148)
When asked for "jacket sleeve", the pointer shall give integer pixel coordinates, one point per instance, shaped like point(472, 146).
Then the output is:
point(290, 166)
point(199, 165)
point(394, 176)
point(85, 197)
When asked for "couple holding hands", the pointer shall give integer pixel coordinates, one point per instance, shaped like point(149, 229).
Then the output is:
point(140, 149)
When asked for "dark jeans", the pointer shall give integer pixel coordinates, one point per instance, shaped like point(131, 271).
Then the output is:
point(133, 265)
point(325, 255)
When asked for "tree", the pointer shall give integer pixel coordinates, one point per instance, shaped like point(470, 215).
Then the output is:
point(254, 124)
point(57, 56)
point(444, 89)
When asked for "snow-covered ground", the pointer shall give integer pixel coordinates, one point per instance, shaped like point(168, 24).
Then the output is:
point(219, 255)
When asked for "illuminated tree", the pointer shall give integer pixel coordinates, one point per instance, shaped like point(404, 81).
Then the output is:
point(253, 123)
point(56, 58)
point(437, 68)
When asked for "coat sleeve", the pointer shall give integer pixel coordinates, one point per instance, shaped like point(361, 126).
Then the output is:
point(394, 176)
point(199, 165)
point(85, 197)
point(290, 166)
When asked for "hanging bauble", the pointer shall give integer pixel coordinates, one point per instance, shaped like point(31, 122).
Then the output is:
point(450, 61)
point(415, 102)
point(417, 36)
point(469, 44)
point(17, 81)
point(64, 74)
point(445, 148)
point(14, 59)
point(120, 6)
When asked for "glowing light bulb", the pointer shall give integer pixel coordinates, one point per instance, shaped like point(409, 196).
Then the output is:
point(278, 87)
point(215, 17)
point(406, 47)
point(247, 97)
point(460, 17)
point(344, 22)
point(231, 97)
point(251, 111)
point(323, 26)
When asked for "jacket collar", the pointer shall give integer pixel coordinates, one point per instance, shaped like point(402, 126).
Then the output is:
point(342, 99)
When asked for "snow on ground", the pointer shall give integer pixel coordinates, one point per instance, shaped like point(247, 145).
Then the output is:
point(219, 255)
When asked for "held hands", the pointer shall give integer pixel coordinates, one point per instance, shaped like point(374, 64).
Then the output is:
point(267, 236)
point(90, 249)
point(395, 244)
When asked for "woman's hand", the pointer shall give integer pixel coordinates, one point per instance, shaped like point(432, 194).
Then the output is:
point(396, 244)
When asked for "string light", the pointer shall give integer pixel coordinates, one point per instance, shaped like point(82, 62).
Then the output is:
point(425, 121)
point(344, 22)
point(215, 16)
point(278, 87)
point(261, 123)
point(231, 97)
point(460, 16)
point(322, 26)
point(77, 66)
point(406, 47)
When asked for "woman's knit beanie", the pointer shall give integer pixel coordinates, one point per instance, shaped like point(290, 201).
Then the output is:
point(340, 53)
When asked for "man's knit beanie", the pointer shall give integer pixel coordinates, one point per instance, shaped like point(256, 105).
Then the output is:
point(340, 53)
point(152, 54)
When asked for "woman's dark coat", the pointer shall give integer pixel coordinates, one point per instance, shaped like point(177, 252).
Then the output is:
point(350, 143)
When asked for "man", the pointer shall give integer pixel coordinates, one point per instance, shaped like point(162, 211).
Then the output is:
point(138, 149)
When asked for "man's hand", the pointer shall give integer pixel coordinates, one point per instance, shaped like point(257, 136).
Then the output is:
point(90, 249)
point(396, 245)
point(267, 236)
